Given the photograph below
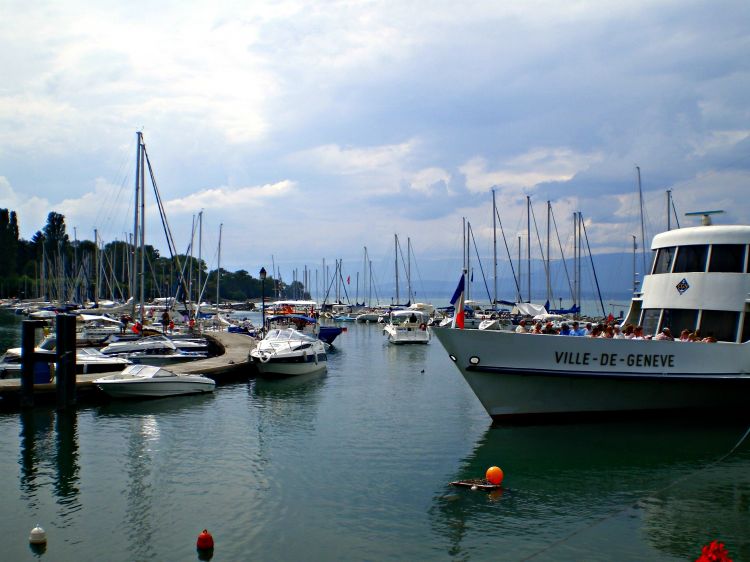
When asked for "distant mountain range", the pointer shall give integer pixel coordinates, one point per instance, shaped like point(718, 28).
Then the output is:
point(614, 273)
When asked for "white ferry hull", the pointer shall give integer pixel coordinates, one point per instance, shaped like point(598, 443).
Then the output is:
point(524, 375)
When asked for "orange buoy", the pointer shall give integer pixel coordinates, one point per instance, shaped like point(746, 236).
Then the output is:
point(495, 475)
point(205, 540)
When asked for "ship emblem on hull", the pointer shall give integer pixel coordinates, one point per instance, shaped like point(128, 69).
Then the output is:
point(682, 286)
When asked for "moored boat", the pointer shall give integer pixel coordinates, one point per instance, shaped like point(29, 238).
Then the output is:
point(407, 326)
point(146, 381)
point(288, 352)
point(699, 282)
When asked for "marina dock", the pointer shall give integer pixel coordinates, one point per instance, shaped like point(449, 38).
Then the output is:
point(229, 364)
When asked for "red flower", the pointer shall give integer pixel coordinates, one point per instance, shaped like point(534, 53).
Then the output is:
point(714, 552)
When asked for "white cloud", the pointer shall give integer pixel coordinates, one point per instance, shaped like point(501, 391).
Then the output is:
point(718, 140)
point(527, 170)
point(424, 180)
point(31, 211)
point(231, 199)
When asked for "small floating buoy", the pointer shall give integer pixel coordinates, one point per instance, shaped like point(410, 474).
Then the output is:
point(205, 541)
point(494, 475)
point(37, 536)
point(474, 487)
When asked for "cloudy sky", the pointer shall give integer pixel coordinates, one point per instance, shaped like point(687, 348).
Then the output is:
point(313, 129)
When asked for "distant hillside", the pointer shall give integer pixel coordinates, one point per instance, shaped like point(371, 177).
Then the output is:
point(614, 273)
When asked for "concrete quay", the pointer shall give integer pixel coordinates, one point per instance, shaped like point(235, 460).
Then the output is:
point(229, 364)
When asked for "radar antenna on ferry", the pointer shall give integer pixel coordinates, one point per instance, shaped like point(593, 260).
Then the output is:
point(706, 216)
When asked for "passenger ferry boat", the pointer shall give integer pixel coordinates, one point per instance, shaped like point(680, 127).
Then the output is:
point(699, 281)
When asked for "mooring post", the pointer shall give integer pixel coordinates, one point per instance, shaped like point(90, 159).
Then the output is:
point(65, 379)
point(28, 360)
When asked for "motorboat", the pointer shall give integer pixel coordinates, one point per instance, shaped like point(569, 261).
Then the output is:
point(407, 326)
point(97, 327)
point(88, 359)
point(153, 350)
point(148, 381)
point(305, 324)
point(699, 282)
point(288, 352)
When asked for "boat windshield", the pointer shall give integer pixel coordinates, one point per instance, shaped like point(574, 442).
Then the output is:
point(408, 317)
point(287, 334)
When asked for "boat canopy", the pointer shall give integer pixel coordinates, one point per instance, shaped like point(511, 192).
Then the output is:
point(529, 309)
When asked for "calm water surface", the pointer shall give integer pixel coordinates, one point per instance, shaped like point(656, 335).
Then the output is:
point(355, 465)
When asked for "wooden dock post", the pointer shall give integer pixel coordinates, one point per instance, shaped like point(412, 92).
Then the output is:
point(28, 360)
point(65, 377)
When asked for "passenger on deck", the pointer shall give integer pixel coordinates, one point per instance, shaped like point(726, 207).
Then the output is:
point(537, 328)
point(685, 335)
point(617, 332)
point(521, 328)
point(577, 330)
point(628, 332)
point(565, 330)
point(549, 329)
point(664, 335)
point(638, 333)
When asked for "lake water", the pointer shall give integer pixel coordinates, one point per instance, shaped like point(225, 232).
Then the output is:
point(355, 465)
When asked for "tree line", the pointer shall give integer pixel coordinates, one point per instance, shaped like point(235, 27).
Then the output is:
point(52, 267)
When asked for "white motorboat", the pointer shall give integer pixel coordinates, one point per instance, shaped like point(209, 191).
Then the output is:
point(288, 352)
point(147, 381)
point(699, 282)
point(407, 326)
point(152, 350)
point(88, 359)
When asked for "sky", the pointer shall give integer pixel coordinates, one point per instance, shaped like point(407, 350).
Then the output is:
point(311, 130)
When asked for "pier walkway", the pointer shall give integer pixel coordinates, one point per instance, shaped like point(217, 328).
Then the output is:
point(230, 364)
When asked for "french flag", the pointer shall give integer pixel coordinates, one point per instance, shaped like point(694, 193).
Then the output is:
point(458, 304)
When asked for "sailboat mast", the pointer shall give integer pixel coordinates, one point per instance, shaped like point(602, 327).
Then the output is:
point(580, 256)
point(575, 259)
point(200, 258)
point(643, 231)
point(635, 274)
point(96, 269)
point(408, 267)
point(134, 247)
point(669, 209)
point(218, 271)
point(520, 271)
point(549, 286)
point(528, 247)
point(396, 261)
point(143, 230)
point(494, 250)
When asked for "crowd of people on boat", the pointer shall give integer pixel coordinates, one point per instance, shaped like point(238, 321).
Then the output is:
point(607, 331)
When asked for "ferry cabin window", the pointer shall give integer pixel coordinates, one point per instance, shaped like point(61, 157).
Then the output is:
point(690, 258)
point(677, 320)
point(649, 320)
point(727, 258)
point(720, 324)
point(664, 260)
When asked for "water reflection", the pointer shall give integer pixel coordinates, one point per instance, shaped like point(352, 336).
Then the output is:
point(287, 403)
point(560, 479)
point(155, 406)
point(139, 492)
point(67, 482)
point(49, 457)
